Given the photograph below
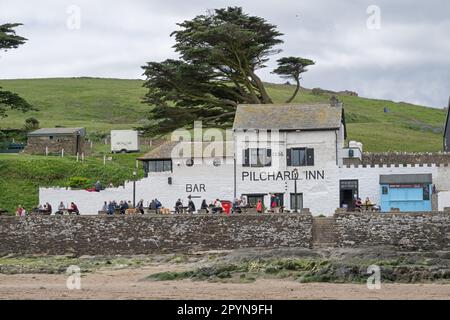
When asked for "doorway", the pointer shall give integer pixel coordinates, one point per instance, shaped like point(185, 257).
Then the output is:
point(349, 192)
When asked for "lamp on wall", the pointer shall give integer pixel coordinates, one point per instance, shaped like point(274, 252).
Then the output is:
point(134, 188)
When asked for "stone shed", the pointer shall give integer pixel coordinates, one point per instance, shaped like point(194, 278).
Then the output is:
point(54, 140)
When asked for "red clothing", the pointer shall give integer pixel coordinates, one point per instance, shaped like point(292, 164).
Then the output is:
point(259, 206)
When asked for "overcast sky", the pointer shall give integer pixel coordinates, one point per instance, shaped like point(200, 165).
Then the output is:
point(398, 50)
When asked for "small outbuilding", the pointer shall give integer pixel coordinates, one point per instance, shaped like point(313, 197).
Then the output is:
point(54, 140)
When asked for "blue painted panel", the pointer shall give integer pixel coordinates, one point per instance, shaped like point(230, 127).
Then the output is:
point(406, 199)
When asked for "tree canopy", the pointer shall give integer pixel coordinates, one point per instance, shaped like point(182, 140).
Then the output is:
point(9, 40)
point(220, 53)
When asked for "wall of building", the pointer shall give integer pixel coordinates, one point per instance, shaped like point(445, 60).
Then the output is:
point(38, 144)
point(149, 234)
point(199, 181)
point(412, 231)
point(317, 183)
point(204, 181)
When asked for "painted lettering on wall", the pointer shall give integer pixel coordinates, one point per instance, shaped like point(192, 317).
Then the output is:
point(195, 188)
point(283, 175)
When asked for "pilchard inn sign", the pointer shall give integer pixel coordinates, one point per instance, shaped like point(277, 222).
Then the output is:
point(283, 175)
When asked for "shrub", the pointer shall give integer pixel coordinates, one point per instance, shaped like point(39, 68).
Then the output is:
point(31, 124)
point(80, 183)
point(317, 91)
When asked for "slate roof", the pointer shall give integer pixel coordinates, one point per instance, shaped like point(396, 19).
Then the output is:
point(57, 131)
point(164, 151)
point(288, 117)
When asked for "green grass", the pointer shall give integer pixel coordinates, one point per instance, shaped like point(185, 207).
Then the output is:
point(22, 175)
point(104, 104)
point(97, 104)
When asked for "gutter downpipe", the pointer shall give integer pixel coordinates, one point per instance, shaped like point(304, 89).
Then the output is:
point(337, 160)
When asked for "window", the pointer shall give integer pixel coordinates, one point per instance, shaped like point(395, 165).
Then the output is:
point(257, 157)
point(296, 201)
point(50, 137)
point(426, 192)
point(300, 157)
point(252, 199)
point(159, 166)
point(384, 190)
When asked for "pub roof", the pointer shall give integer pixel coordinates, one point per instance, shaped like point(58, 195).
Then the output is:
point(288, 117)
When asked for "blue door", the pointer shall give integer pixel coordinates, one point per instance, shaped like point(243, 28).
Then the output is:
point(410, 198)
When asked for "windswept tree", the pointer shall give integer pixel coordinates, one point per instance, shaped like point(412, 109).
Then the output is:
point(9, 40)
point(292, 68)
point(220, 53)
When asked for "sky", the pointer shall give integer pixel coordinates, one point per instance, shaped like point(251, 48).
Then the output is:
point(395, 50)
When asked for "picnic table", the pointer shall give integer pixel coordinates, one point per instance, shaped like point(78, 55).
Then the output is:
point(182, 210)
point(369, 207)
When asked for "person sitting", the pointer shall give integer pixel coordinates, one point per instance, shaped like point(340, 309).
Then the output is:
point(237, 206)
point(73, 209)
point(368, 202)
point(204, 206)
point(178, 206)
point(217, 207)
point(111, 208)
point(123, 207)
point(20, 212)
point(140, 206)
point(98, 186)
point(158, 205)
point(48, 209)
point(358, 204)
point(40, 209)
point(61, 208)
point(191, 206)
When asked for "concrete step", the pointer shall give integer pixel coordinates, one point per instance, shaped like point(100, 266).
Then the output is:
point(323, 232)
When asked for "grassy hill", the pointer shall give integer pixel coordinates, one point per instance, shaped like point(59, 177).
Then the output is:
point(104, 104)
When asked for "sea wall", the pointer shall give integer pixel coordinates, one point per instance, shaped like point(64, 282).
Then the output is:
point(412, 231)
point(127, 235)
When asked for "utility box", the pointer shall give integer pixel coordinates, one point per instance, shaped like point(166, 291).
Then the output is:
point(124, 141)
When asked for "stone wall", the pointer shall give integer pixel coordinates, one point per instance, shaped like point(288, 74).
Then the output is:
point(100, 235)
point(37, 144)
point(413, 231)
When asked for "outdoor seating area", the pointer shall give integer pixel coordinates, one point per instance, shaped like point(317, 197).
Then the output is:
point(217, 207)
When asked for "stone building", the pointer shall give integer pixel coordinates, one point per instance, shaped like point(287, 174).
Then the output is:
point(54, 140)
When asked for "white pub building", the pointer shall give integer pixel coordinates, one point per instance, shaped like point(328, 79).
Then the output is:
point(296, 152)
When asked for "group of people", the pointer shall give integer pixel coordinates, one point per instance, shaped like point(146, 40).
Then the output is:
point(369, 205)
point(47, 209)
point(112, 207)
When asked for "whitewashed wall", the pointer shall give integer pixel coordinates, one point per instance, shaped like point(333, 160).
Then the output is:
point(321, 195)
point(369, 178)
point(217, 182)
point(443, 200)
